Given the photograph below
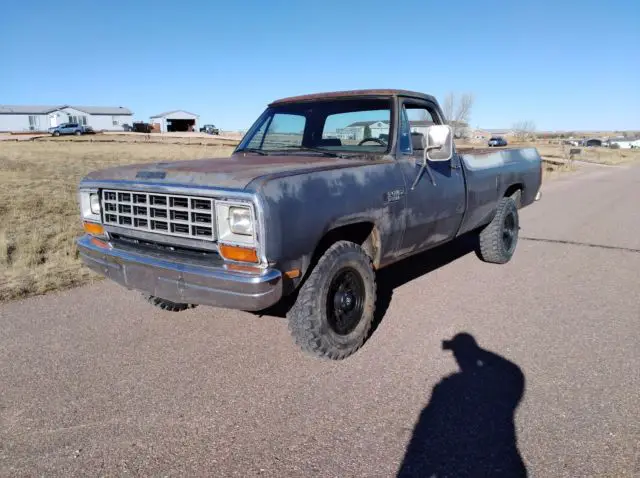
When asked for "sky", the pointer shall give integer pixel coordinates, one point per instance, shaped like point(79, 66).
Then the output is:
point(564, 64)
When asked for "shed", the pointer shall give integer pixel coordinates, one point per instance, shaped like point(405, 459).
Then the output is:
point(176, 120)
point(591, 142)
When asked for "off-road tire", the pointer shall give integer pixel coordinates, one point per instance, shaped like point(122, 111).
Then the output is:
point(492, 238)
point(309, 321)
point(168, 305)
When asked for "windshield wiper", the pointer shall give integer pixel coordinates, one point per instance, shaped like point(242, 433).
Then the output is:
point(255, 150)
point(333, 154)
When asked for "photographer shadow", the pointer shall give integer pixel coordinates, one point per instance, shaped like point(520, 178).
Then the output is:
point(467, 428)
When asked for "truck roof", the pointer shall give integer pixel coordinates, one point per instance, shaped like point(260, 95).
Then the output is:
point(353, 93)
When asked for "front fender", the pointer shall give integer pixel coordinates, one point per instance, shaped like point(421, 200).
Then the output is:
point(301, 209)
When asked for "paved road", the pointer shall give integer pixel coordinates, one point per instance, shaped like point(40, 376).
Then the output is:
point(96, 382)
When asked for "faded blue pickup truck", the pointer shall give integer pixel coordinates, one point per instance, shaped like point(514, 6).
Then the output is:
point(322, 191)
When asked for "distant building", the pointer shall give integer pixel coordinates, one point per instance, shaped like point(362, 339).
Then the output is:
point(41, 118)
point(500, 132)
point(356, 131)
point(593, 142)
point(624, 143)
point(177, 120)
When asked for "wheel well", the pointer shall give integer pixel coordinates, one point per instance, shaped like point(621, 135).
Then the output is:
point(513, 190)
point(364, 234)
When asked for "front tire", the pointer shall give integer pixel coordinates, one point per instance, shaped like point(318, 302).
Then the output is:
point(333, 313)
point(499, 238)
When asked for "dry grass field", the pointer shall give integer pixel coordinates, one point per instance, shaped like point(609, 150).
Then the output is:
point(39, 215)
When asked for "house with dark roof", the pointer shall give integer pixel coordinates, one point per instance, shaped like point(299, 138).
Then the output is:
point(40, 118)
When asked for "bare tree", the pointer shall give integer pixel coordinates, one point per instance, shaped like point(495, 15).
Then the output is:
point(524, 130)
point(457, 111)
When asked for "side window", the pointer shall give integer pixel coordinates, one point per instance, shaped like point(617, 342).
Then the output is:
point(404, 133)
point(284, 130)
point(353, 127)
point(419, 117)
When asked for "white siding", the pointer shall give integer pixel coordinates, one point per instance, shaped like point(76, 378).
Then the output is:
point(42, 122)
point(97, 122)
point(19, 123)
point(105, 122)
point(181, 115)
point(379, 128)
point(162, 120)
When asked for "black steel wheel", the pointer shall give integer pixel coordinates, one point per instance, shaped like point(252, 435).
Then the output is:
point(334, 310)
point(345, 301)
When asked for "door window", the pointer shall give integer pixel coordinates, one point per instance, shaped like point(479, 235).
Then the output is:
point(417, 119)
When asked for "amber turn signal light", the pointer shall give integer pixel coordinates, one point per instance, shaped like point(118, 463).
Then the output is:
point(240, 254)
point(93, 228)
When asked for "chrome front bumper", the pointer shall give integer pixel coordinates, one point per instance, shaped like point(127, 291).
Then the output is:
point(180, 281)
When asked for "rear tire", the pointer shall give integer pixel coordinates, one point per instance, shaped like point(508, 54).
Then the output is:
point(498, 240)
point(334, 310)
point(78, 133)
point(168, 305)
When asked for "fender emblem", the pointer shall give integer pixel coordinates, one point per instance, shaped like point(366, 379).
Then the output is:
point(395, 195)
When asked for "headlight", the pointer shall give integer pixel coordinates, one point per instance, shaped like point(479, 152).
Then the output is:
point(89, 205)
point(94, 203)
point(240, 220)
point(235, 221)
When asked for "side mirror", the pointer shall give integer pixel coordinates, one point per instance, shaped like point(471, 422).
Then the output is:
point(439, 143)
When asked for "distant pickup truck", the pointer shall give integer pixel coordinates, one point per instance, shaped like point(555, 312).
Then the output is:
point(70, 128)
point(497, 141)
point(322, 192)
point(210, 129)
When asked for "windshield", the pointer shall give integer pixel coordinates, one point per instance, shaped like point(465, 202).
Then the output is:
point(335, 126)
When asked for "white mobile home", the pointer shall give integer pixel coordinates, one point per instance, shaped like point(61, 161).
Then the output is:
point(41, 118)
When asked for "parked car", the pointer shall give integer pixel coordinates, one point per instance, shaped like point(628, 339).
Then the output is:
point(306, 213)
point(497, 141)
point(210, 129)
point(141, 127)
point(70, 128)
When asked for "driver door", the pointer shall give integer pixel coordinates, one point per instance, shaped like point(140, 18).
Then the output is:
point(435, 207)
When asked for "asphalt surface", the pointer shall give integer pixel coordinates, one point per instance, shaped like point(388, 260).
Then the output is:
point(95, 381)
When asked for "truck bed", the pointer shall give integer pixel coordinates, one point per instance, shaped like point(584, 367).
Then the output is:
point(492, 173)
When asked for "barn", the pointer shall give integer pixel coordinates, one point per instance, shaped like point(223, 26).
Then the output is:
point(39, 118)
point(172, 121)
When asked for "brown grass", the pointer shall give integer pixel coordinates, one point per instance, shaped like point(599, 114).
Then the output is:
point(555, 152)
point(592, 155)
point(39, 215)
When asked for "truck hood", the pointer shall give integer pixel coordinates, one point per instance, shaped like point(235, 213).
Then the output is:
point(234, 172)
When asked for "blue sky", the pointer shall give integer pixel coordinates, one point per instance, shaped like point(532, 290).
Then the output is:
point(563, 64)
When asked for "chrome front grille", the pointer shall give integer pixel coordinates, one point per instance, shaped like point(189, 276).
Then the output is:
point(168, 214)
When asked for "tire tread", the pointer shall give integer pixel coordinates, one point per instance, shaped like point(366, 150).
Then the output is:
point(305, 322)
